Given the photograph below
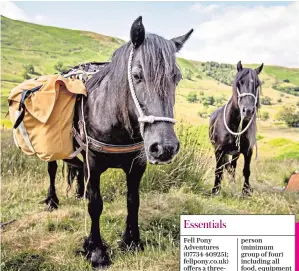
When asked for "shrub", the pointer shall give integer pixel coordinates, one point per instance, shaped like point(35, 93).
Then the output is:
point(59, 67)
point(201, 93)
point(208, 100)
point(289, 115)
point(29, 68)
point(265, 115)
point(279, 100)
point(192, 97)
point(266, 100)
point(220, 100)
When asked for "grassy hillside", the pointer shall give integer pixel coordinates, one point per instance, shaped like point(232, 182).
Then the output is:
point(44, 46)
point(39, 240)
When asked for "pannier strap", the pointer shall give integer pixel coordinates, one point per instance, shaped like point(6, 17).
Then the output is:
point(19, 116)
point(106, 148)
point(25, 94)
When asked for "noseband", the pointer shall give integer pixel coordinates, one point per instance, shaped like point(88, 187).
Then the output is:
point(240, 95)
point(142, 117)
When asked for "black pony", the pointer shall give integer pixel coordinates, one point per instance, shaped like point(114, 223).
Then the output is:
point(233, 127)
point(129, 100)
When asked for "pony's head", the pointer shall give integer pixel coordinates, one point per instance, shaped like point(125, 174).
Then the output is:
point(246, 89)
point(155, 75)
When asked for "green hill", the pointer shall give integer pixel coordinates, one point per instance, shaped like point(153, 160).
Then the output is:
point(43, 47)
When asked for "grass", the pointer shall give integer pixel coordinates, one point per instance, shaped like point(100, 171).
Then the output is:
point(39, 240)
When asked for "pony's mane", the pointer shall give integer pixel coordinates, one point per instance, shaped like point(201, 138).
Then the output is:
point(157, 62)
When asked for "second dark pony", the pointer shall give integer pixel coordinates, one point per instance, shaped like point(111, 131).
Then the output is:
point(233, 127)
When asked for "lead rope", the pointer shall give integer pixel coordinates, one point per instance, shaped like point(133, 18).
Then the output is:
point(142, 117)
point(88, 168)
point(238, 137)
point(239, 133)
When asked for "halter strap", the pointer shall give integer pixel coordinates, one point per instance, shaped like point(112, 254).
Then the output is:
point(240, 95)
point(142, 117)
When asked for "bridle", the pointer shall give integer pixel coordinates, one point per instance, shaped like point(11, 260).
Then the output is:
point(98, 146)
point(240, 95)
point(142, 117)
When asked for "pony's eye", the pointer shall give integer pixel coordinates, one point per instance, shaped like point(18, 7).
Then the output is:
point(137, 77)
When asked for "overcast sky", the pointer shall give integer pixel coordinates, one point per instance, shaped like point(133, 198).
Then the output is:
point(253, 32)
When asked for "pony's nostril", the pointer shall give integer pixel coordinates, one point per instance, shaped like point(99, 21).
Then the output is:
point(249, 111)
point(155, 148)
point(244, 109)
point(163, 152)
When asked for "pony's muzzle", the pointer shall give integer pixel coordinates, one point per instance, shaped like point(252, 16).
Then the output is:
point(247, 112)
point(163, 152)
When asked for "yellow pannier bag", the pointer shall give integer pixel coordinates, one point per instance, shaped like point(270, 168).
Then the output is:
point(42, 112)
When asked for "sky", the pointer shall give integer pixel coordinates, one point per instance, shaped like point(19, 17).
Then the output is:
point(253, 32)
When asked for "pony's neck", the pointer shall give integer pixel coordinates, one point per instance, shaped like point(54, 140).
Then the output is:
point(233, 115)
point(111, 114)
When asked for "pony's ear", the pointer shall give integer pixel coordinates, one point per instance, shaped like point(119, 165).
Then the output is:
point(259, 69)
point(179, 41)
point(239, 66)
point(137, 32)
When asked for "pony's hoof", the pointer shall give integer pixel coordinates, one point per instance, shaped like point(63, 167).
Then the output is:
point(99, 259)
point(51, 203)
point(215, 191)
point(98, 256)
point(130, 246)
point(247, 191)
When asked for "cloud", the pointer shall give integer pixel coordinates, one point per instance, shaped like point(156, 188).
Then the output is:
point(11, 10)
point(40, 18)
point(253, 34)
point(204, 8)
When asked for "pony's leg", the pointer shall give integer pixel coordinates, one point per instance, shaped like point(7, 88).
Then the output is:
point(75, 169)
point(247, 190)
point(220, 161)
point(80, 184)
point(233, 165)
point(131, 238)
point(52, 200)
point(96, 250)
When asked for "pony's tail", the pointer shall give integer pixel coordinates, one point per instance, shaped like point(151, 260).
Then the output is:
point(72, 173)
